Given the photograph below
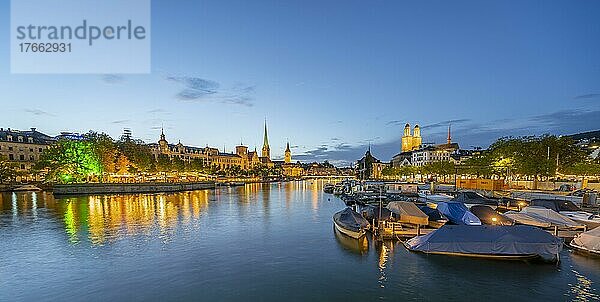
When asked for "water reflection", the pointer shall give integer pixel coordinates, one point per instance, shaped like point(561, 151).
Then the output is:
point(384, 252)
point(351, 245)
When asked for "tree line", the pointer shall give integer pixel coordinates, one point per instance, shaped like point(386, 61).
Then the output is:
point(535, 157)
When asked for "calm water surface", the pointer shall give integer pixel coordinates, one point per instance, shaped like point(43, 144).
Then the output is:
point(262, 242)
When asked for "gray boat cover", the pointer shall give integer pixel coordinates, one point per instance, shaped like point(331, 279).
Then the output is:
point(523, 218)
point(553, 217)
point(488, 240)
point(350, 220)
point(408, 212)
point(589, 240)
point(371, 212)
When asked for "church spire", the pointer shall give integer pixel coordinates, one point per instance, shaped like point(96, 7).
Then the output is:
point(266, 150)
point(449, 137)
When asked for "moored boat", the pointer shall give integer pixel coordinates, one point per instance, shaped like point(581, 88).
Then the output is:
point(436, 219)
point(408, 212)
point(348, 222)
point(588, 241)
point(458, 213)
point(496, 242)
point(489, 216)
point(26, 188)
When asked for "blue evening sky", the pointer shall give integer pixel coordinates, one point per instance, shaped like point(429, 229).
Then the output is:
point(333, 76)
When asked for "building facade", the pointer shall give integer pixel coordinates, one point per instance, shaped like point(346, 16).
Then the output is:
point(414, 153)
point(23, 147)
point(411, 141)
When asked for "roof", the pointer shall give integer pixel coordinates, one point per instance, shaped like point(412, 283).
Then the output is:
point(38, 137)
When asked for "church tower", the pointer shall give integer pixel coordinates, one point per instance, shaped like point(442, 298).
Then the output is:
point(449, 140)
point(162, 143)
point(416, 140)
point(266, 150)
point(407, 139)
point(288, 154)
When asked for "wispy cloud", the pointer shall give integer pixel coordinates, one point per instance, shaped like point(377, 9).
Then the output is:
point(158, 110)
point(198, 89)
point(587, 96)
point(446, 123)
point(38, 112)
point(120, 122)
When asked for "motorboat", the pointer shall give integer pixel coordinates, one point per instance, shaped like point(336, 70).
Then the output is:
point(458, 213)
point(473, 198)
point(496, 242)
point(436, 219)
point(588, 241)
point(408, 212)
point(348, 222)
point(569, 209)
point(489, 216)
point(376, 213)
point(556, 219)
point(527, 219)
point(439, 197)
point(328, 188)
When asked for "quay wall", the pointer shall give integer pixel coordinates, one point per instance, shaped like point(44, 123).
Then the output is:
point(128, 188)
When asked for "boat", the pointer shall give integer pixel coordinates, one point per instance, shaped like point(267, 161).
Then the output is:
point(408, 212)
point(527, 219)
point(439, 197)
point(554, 218)
point(26, 188)
point(488, 216)
point(473, 198)
point(354, 246)
point(350, 223)
point(328, 188)
point(588, 241)
point(458, 213)
point(569, 209)
point(495, 242)
point(436, 219)
point(373, 213)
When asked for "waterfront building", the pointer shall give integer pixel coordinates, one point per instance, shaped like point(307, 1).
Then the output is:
point(291, 169)
point(23, 147)
point(206, 156)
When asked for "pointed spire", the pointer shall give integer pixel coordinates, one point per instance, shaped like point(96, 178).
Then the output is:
point(287, 147)
point(449, 137)
point(266, 138)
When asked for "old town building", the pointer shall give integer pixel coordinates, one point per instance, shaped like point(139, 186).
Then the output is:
point(23, 147)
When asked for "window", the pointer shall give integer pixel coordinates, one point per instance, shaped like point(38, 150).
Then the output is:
point(30, 140)
point(9, 138)
point(40, 149)
point(20, 139)
point(30, 149)
point(10, 148)
point(31, 157)
point(11, 157)
point(22, 167)
point(21, 157)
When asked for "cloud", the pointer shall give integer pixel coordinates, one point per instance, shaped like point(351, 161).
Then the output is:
point(587, 96)
point(446, 123)
point(38, 112)
point(112, 78)
point(120, 122)
point(198, 89)
point(157, 111)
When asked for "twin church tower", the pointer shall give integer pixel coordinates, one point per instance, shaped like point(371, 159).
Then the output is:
point(411, 142)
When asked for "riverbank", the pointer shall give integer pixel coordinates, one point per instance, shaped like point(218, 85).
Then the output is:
point(129, 188)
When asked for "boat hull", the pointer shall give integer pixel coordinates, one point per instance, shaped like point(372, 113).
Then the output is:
point(347, 232)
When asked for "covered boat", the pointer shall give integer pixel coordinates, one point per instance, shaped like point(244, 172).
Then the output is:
point(500, 242)
point(350, 223)
point(427, 196)
point(408, 212)
point(458, 213)
point(569, 209)
point(436, 219)
point(552, 217)
point(588, 241)
point(488, 216)
point(372, 212)
point(524, 218)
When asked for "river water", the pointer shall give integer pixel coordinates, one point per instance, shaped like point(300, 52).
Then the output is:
point(261, 242)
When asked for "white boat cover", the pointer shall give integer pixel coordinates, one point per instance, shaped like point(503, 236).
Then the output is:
point(408, 212)
point(589, 240)
point(488, 240)
point(553, 217)
point(523, 218)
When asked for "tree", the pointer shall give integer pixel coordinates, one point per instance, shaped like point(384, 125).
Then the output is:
point(70, 161)
point(8, 170)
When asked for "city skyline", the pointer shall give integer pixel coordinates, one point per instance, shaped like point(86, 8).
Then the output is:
point(336, 84)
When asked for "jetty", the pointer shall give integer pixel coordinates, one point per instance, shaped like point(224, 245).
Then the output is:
point(129, 188)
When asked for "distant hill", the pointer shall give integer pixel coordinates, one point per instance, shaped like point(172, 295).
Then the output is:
point(591, 135)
